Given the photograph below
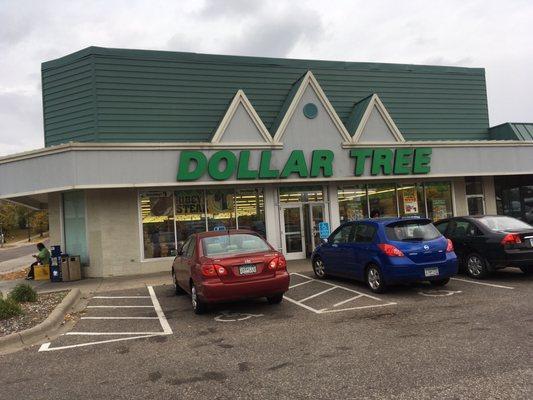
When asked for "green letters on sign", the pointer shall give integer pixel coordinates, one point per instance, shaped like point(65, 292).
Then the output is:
point(322, 160)
point(225, 158)
point(402, 161)
point(422, 160)
point(243, 171)
point(199, 161)
point(225, 164)
point(264, 166)
point(360, 156)
point(381, 162)
point(295, 165)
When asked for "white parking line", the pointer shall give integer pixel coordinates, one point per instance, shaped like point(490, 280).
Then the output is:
point(46, 346)
point(120, 306)
point(112, 333)
point(121, 297)
point(162, 319)
point(333, 286)
point(299, 284)
point(317, 294)
point(347, 300)
point(119, 318)
point(126, 335)
point(483, 283)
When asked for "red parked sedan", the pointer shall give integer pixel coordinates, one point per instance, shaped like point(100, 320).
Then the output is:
point(229, 265)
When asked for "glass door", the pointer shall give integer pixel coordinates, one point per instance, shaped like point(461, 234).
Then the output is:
point(316, 216)
point(292, 232)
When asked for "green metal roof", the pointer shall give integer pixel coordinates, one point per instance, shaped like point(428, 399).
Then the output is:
point(512, 131)
point(117, 95)
point(354, 118)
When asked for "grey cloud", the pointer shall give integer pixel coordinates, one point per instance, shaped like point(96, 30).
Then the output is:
point(218, 8)
point(440, 60)
point(277, 35)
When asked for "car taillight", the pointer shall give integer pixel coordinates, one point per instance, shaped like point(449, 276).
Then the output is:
point(221, 270)
point(511, 238)
point(277, 262)
point(390, 250)
point(449, 247)
point(210, 270)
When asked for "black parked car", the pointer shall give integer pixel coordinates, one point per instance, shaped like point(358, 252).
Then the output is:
point(486, 243)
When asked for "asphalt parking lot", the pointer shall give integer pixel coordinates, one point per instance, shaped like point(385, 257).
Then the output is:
point(328, 339)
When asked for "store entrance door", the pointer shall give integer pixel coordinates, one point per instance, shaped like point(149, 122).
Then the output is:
point(300, 229)
point(292, 231)
point(314, 214)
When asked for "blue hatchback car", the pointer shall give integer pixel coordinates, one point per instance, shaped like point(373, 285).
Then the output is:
point(382, 252)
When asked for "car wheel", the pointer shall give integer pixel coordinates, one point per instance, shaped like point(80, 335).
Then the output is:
point(526, 270)
point(476, 266)
point(374, 279)
point(275, 299)
point(198, 306)
point(177, 288)
point(318, 268)
point(440, 282)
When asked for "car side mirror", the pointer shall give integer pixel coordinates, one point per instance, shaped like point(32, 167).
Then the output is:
point(324, 241)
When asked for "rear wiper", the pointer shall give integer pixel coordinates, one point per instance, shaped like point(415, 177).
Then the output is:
point(412, 239)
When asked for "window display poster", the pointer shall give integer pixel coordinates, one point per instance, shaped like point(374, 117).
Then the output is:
point(410, 201)
point(440, 211)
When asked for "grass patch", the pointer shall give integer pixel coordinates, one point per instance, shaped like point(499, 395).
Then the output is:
point(23, 293)
point(9, 308)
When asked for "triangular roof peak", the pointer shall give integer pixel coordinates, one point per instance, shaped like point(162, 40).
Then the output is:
point(308, 80)
point(240, 99)
point(361, 114)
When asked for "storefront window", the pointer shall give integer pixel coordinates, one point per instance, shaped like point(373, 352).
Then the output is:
point(439, 200)
point(514, 196)
point(352, 203)
point(300, 194)
point(382, 199)
point(474, 195)
point(250, 207)
point(157, 212)
point(220, 209)
point(411, 200)
point(190, 213)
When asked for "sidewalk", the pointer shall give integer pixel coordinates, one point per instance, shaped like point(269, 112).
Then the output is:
point(16, 264)
point(94, 285)
point(24, 242)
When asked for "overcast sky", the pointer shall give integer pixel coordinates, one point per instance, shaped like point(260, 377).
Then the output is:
point(496, 35)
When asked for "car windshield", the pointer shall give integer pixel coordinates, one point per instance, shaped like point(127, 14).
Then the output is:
point(504, 223)
point(232, 244)
point(404, 231)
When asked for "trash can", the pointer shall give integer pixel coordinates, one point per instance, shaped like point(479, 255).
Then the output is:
point(65, 274)
point(74, 268)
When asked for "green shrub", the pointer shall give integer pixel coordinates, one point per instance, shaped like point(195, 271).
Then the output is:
point(23, 293)
point(9, 308)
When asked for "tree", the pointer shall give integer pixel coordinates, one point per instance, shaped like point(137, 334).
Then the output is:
point(39, 221)
point(8, 216)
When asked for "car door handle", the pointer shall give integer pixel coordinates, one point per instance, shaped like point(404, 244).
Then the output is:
point(334, 245)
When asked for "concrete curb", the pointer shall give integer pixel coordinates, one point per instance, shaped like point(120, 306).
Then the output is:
point(19, 340)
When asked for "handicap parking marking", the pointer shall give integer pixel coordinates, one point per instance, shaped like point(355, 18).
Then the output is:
point(439, 292)
point(483, 283)
point(228, 316)
point(123, 335)
point(332, 308)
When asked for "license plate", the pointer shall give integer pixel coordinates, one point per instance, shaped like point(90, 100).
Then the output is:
point(247, 269)
point(431, 272)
